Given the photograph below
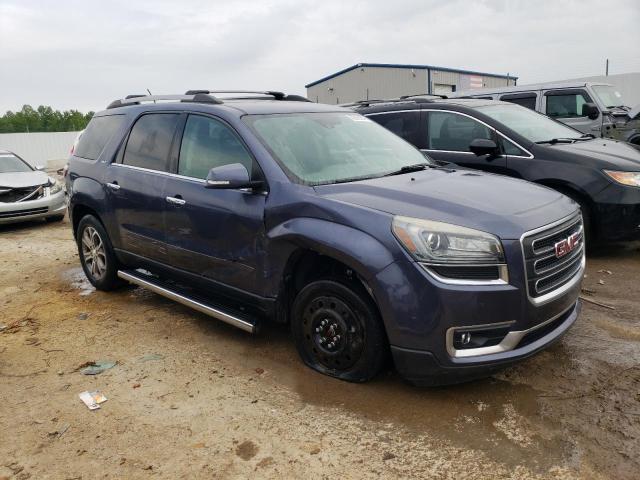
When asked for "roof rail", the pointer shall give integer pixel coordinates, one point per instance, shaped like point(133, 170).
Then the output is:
point(137, 99)
point(268, 93)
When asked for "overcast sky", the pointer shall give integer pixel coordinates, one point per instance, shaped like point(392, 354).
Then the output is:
point(83, 54)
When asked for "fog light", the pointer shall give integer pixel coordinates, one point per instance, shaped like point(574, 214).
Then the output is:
point(477, 338)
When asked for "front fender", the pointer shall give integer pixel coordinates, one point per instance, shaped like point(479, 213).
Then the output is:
point(355, 248)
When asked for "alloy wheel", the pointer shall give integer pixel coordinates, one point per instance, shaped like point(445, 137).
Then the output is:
point(94, 253)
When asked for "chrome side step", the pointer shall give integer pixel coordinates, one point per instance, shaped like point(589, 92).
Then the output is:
point(148, 282)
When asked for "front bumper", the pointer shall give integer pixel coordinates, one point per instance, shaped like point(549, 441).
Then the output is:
point(47, 206)
point(617, 213)
point(423, 368)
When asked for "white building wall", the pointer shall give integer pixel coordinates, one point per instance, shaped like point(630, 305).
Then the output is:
point(49, 149)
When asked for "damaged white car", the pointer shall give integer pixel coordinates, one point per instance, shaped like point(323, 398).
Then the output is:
point(27, 193)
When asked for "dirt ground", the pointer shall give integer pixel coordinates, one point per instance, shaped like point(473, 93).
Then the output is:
point(191, 397)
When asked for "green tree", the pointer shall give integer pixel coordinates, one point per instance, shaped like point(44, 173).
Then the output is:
point(43, 119)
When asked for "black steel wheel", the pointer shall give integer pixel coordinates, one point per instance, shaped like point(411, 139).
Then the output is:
point(98, 261)
point(338, 331)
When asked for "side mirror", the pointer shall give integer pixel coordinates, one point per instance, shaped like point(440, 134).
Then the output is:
point(483, 146)
point(230, 176)
point(39, 168)
point(590, 110)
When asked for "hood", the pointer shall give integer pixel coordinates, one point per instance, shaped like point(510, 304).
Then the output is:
point(499, 205)
point(603, 153)
point(23, 179)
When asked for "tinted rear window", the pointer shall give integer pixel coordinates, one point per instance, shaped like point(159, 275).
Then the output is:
point(96, 135)
point(150, 141)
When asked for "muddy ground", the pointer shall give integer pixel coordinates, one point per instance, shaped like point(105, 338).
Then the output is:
point(191, 397)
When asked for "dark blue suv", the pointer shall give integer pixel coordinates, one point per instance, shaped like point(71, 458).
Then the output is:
point(275, 208)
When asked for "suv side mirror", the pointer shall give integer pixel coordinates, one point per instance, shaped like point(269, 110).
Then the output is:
point(230, 176)
point(483, 146)
point(590, 110)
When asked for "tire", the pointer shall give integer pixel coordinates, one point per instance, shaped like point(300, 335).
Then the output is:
point(55, 218)
point(98, 261)
point(338, 331)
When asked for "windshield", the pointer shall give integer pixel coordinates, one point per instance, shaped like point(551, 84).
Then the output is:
point(608, 96)
point(531, 125)
point(9, 163)
point(323, 148)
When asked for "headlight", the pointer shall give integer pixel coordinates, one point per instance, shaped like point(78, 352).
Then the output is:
point(631, 179)
point(437, 242)
point(54, 186)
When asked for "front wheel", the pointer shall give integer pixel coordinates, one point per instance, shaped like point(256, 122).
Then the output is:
point(338, 331)
point(96, 254)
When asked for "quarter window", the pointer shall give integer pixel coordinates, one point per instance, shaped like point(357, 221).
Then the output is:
point(454, 132)
point(511, 148)
point(209, 143)
point(150, 142)
point(567, 105)
point(96, 135)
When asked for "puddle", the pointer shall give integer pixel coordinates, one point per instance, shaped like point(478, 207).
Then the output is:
point(78, 280)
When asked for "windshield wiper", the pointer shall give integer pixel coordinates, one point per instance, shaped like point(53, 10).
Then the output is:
point(411, 168)
point(553, 141)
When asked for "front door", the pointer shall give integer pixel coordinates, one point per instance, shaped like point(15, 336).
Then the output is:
point(449, 135)
point(217, 234)
point(135, 183)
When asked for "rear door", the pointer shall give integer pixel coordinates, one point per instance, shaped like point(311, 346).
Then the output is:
point(404, 123)
point(217, 234)
point(566, 104)
point(449, 135)
point(525, 99)
point(136, 184)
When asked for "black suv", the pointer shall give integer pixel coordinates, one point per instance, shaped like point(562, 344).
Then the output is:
point(253, 209)
point(602, 175)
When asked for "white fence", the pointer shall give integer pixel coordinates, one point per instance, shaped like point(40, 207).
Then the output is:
point(49, 149)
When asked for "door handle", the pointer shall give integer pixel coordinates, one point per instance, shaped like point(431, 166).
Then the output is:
point(175, 201)
point(113, 186)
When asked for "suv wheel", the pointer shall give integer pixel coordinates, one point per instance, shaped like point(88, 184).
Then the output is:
point(96, 254)
point(338, 332)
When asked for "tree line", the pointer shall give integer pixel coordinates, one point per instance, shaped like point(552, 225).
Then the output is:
point(43, 119)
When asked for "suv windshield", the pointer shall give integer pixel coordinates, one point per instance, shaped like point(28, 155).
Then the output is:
point(533, 126)
point(323, 148)
point(608, 96)
point(9, 163)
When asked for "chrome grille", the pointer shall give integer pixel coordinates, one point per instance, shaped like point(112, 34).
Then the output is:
point(14, 195)
point(545, 271)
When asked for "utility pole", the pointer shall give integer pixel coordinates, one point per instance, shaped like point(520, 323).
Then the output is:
point(606, 70)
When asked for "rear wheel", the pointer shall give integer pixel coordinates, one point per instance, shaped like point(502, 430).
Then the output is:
point(337, 330)
point(96, 254)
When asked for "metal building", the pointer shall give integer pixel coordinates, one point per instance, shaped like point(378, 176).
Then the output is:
point(366, 81)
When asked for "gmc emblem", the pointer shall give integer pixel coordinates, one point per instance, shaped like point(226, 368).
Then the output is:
point(567, 245)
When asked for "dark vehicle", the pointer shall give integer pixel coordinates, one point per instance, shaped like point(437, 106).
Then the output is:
point(602, 175)
point(271, 209)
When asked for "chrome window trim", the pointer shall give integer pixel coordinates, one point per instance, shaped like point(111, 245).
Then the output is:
point(509, 342)
point(391, 112)
point(577, 278)
point(183, 177)
point(530, 155)
point(502, 268)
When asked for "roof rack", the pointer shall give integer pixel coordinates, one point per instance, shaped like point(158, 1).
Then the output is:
point(264, 93)
point(405, 97)
point(137, 99)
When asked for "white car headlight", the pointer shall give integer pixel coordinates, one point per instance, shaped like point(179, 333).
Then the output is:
point(444, 243)
point(631, 179)
point(54, 186)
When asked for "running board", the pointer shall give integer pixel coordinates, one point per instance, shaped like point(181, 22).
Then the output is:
point(157, 286)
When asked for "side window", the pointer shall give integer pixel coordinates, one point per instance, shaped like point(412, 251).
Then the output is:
point(566, 105)
point(96, 135)
point(403, 124)
point(209, 143)
point(454, 132)
point(510, 148)
point(525, 100)
point(150, 142)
